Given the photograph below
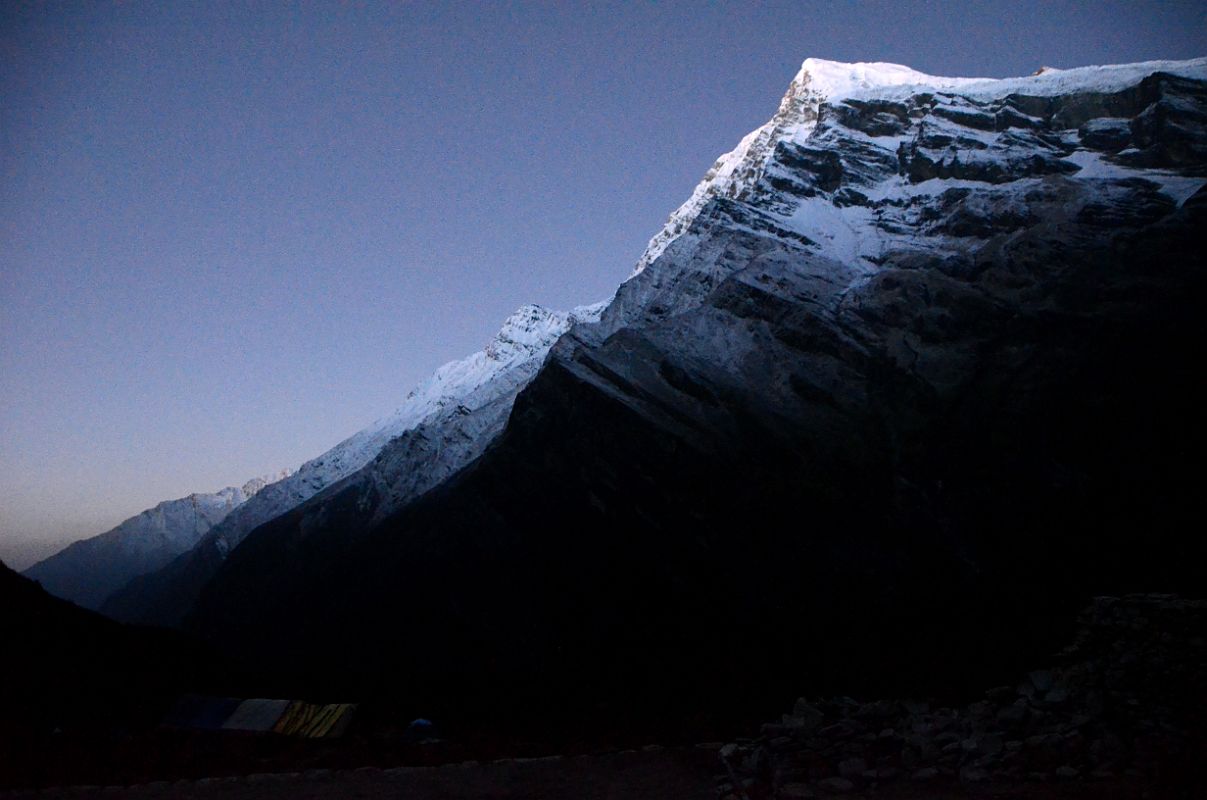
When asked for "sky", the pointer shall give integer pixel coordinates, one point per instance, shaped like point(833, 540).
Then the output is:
point(233, 234)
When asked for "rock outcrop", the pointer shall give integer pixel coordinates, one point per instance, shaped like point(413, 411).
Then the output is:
point(1125, 703)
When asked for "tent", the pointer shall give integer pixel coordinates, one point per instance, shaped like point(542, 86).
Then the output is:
point(256, 715)
point(313, 721)
point(291, 718)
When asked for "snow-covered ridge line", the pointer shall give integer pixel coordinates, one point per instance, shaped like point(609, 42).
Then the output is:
point(521, 343)
point(528, 333)
point(443, 424)
point(1047, 83)
point(819, 81)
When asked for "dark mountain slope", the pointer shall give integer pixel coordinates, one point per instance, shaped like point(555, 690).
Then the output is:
point(70, 669)
point(657, 533)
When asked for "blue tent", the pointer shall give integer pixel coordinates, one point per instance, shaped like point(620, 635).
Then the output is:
point(256, 715)
point(200, 712)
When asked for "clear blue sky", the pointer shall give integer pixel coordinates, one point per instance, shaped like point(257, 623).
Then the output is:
point(233, 234)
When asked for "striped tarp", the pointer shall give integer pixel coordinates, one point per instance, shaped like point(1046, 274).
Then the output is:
point(256, 715)
point(291, 718)
point(314, 721)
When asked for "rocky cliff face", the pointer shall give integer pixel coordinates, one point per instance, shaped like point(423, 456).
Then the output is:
point(883, 414)
point(87, 572)
point(736, 174)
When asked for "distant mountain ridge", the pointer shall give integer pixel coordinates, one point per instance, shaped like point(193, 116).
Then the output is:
point(88, 571)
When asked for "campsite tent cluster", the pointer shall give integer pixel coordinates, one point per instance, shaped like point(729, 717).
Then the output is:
point(288, 717)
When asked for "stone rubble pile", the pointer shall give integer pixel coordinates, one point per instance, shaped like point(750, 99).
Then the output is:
point(1127, 700)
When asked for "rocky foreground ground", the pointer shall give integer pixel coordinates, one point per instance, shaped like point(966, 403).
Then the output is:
point(649, 774)
point(639, 774)
point(1121, 713)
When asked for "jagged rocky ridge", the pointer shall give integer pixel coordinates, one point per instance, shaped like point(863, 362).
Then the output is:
point(881, 416)
point(736, 173)
point(89, 571)
point(444, 423)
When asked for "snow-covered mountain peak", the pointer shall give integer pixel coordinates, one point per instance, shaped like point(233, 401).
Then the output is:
point(253, 486)
point(818, 82)
point(531, 327)
point(830, 80)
